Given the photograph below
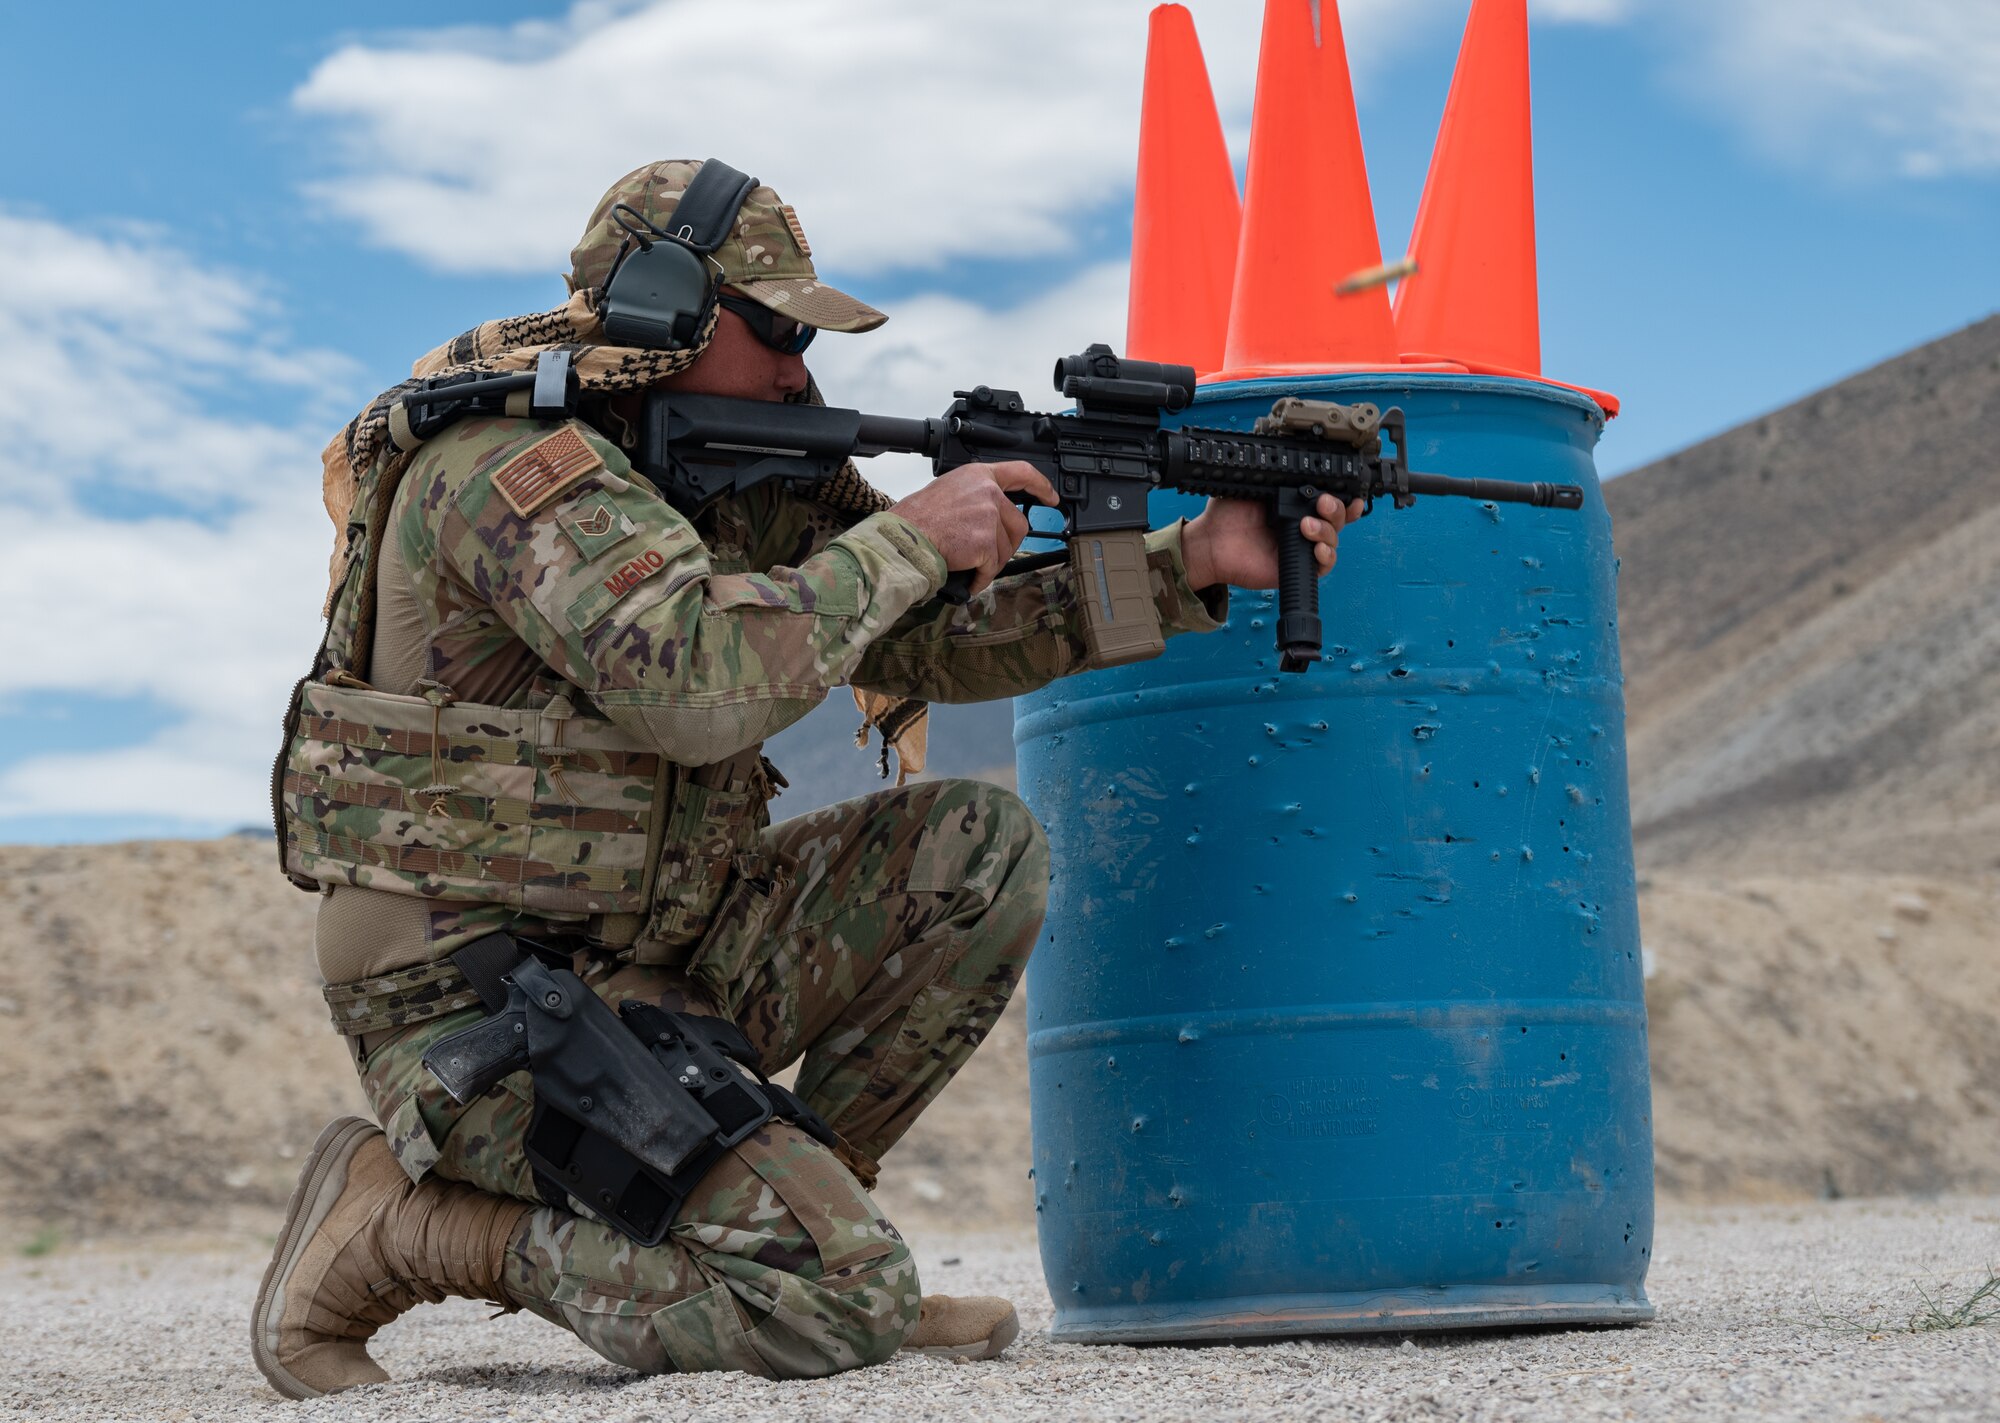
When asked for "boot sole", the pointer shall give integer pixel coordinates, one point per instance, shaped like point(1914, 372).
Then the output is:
point(321, 1180)
point(991, 1347)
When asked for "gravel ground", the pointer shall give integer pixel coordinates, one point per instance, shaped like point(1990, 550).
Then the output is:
point(1751, 1302)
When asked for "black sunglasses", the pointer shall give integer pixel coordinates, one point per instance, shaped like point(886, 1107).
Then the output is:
point(780, 333)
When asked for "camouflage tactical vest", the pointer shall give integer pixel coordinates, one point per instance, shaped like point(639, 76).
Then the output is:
point(550, 809)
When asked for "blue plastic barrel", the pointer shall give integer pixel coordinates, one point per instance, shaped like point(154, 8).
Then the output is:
point(1337, 1020)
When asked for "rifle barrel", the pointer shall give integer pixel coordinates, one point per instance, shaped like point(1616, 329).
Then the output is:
point(1500, 491)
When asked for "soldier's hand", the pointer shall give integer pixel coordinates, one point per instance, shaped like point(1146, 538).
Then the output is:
point(967, 514)
point(1231, 542)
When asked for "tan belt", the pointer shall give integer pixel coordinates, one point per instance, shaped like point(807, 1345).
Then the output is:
point(416, 995)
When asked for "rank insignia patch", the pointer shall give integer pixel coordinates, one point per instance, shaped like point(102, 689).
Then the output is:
point(544, 469)
point(594, 523)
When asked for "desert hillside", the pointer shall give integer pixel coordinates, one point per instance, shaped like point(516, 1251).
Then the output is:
point(1809, 606)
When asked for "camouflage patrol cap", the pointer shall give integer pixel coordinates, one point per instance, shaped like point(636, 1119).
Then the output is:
point(766, 257)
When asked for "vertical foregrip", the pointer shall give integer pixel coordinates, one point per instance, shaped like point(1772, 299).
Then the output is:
point(1298, 580)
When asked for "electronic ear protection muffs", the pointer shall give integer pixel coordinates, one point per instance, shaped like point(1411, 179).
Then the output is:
point(664, 284)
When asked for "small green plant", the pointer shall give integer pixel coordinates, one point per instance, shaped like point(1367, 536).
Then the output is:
point(46, 1239)
point(1937, 1311)
point(1940, 1306)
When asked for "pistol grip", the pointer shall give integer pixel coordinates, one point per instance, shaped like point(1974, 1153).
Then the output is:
point(957, 589)
point(469, 1063)
point(1115, 596)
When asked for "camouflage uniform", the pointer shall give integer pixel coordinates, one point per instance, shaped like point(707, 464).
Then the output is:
point(901, 935)
point(873, 942)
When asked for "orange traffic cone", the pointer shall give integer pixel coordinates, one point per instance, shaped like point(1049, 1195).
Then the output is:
point(1185, 214)
point(1473, 297)
point(1307, 218)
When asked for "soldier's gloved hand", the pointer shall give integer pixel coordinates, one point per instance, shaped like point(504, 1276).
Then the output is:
point(1231, 542)
point(967, 514)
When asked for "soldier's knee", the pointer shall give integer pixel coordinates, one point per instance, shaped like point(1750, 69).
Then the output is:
point(1016, 833)
point(1010, 816)
point(886, 1307)
point(858, 1316)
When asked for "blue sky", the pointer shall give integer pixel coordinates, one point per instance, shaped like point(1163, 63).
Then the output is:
point(225, 225)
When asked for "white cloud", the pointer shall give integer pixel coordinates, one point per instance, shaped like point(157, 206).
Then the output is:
point(911, 133)
point(109, 349)
point(907, 132)
point(115, 357)
point(1855, 87)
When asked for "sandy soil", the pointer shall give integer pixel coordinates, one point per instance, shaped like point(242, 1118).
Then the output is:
point(1773, 1313)
point(1834, 1034)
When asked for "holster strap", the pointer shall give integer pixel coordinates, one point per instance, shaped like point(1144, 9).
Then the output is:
point(484, 962)
point(396, 1000)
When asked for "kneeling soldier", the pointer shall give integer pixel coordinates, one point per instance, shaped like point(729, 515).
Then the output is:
point(529, 752)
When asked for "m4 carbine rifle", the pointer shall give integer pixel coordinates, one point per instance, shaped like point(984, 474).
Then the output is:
point(1103, 459)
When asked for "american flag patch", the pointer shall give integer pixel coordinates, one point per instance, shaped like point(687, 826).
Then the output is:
point(544, 469)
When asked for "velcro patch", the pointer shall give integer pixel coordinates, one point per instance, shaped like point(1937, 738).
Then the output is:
point(632, 572)
point(598, 599)
point(544, 469)
point(595, 524)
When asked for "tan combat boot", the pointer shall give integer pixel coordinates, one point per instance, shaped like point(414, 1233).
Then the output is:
point(361, 1244)
point(975, 1328)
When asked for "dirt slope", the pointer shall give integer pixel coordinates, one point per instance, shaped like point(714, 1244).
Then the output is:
point(1809, 607)
point(1823, 1035)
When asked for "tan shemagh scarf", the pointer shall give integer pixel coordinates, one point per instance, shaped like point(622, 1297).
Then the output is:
point(512, 344)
